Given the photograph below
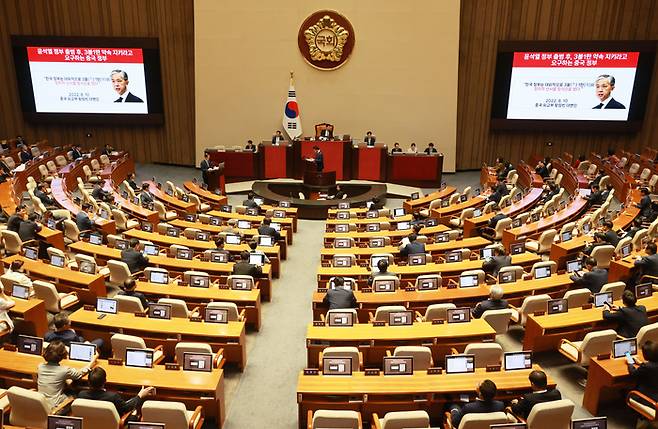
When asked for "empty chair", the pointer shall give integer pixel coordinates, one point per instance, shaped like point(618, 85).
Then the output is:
point(188, 347)
point(231, 308)
point(163, 213)
point(162, 227)
point(551, 415)
point(620, 245)
point(9, 162)
point(233, 279)
point(95, 166)
point(603, 255)
point(454, 198)
point(30, 408)
point(638, 237)
point(578, 297)
point(190, 233)
point(642, 404)
point(480, 273)
point(437, 311)
point(200, 206)
point(427, 278)
point(594, 344)
point(499, 320)
point(543, 243)
point(382, 312)
point(339, 419)
point(71, 231)
point(434, 204)
point(122, 221)
point(644, 175)
point(497, 232)
point(119, 273)
point(384, 280)
point(488, 207)
point(531, 304)
point(617, 289)
point(550, 264)
point(647, 333)
point(13, 243)
point(344, 351)
point(402, 419)
point(120, 342)
point(45, 174)
point(129, 304)
point(89, 176)
point(172, 414)
point(458, 221)
point(52, 168)
point(53, 300)
point(652, 182)
point(79, 257)
point(422, 356)
point(105, 160)
point(479, 420)
point(485, 353)
point(337, 259)
point(349, 240)
point(591, 170)
point(103, 413)
point(179, 308)
point(516, 269)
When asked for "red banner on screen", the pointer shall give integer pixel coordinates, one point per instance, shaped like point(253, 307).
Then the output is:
point(576, 59)
point(83, 55)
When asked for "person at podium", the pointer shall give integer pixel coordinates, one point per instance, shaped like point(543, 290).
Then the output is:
point(206, 165)
point(396, 148)
point(430, 149)
point(369, 139)
point(325, 134)
point(250, 146)
point(277, 138)
point(318, 159)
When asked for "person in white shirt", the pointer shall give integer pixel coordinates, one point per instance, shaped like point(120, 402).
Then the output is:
point(16, 275)
point(6, 303)
point(412, 148)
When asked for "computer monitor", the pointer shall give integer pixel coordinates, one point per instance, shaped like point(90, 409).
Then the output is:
point(374, 260)
point(415, 195)
point(121, 244)
point(276, 226)
point(445, 203)
point(343, 205)
point(342, 243)
point(190, 217)
point(621, 347)
point(197, 361)
point(586, 227)
point(232, 239)
point(266, 240)
point(372, 214)
point(216, 315)
point(398, 212)
point(136, 201)
point(145, 425)
point(417, 259)
point(336, 365)
point(458, 315)
point(431, 222)
point(516, 223)
point(373, 227)
point(244, 224)
point(601, 298)
point(566, 236)
point(403, 226)
point(342, 215)
point(535, 216)
point(542, 273)
point(169, 192)
point(486, 252)
point(64, 422)
point(31, 253)
point(430, 283)
point(82, 351)
point(401, 318)
point(591, 423)
point(575, 265)
point(468, 280)
point(199, 281)
point(140, 358)
point(151, 249)
point(517, 248)
point(257, 259)
point(347, 284)
point(517, 360)
point(57, 260)
point(279, 214)
point(460, 364)
point(173, 232)
point(106, 305)
point(477, 212)
point(506, 277)
point(476, 192)
point(443, 237)
point(341, 319)
point(241, 284)
point(643, 290)
point(377, 242)
point(87, 267)
point(215, 221)
point(556, 306)
point(463, 198)
point(104, 214)
point(219, 257)
point(96, 239)
point(394, 365)
point(202, 236)
point(184, 254)
point(159, 311)
point(29, 345)
point(259, 201)
point(508, 426)
point(20, 291)
point(226, 208)
point(52, 223)
point(341, 227)
point(159, 277)
point(383, 285)
point(454, 256)
point(284, 204)
point(147, 226)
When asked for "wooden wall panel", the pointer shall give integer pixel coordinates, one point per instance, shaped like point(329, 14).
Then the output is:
point(171, 21)
point(484, 23)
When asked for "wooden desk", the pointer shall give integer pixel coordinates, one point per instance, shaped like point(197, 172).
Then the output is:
point(606, 380)
point(191, 387)
point(87, 286)
point(216, 270)
point(444, 214)
point(286, 222)
point(361, 222)
point(229, 336)
point(424, 201)
point(214, 200)
point(118, 170)
point(135, 210)
point(247, 300)
point(394, 235)
point(376, 394)
point(488, 177)
point(31, 312)
point(171, 202)
point(62, 196)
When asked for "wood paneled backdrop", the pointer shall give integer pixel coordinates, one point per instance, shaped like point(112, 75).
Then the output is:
point(171, 21)
point(485, 22)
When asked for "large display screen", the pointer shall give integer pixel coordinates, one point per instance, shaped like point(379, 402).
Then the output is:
point(582, 87)
point(98, 79)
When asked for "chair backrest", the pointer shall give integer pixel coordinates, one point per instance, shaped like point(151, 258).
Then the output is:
point(381, 314)
point(516, 269)
point(230, 280)
point(498, 319)
point(71, 230)
point(188, 347)
point(617, 289)
point(480, 273)
point(646, 333)
point(345, 351)
point(485, 353)
point(454, 198)
point(438, 311)
point(178, 307)
point(551, 415)
point(13, 243)
point(129, 304)
point(533, 304)
point(406, 419)
point(637, 238)
point(343, 310)
point(119, 271)
point(172, 414)
point(87, 171)
point(435, 204)
point(230, 307)
point(546, 240)
point(9, 161)
point(577, 297)
point(48, 294)
point(105, 160)
point(120, 218)
point(28, 408)
point(103, 414)
point(467, 192)
point(422, 356)
point(44, 171)
point(95, 165)
point(482, 420)
point(645, 174)
point(52, 168)
point(596, 343)
point(122, 341)
point(623, 242)
point(339, 419)
point(603, 255)
point(501, 226)
point(592, 169)
point(160, 208)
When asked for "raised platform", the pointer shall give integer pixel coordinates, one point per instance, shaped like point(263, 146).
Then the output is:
point(357, 194)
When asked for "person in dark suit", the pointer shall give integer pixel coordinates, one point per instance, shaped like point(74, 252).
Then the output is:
point(611, 236)
point(64, 333)
point(549, 192)
point(595, 197)
point(277, 138)
point(593, 279)
point(542, 170)
point(14, 221)
point(120, 85)
point(648, 265)
point(496, 218)
point(25, 154)
point(645, 203)
point(206, 165)
point(396, 148)
point(133, 257)
point(484, 403)
point(131, 181)
point(29, 228)
point(97, 378)
point(41, 193)
point(244, 268)
point(646, 374)
point(325, 134)
point(382, 270)
point(82, 219)
point(100, 194)
point(375, 204)
point(250, 202)
point(266, 229)
point(414, 247)
point(500, 259)
point(76, 152)
point(145, 197)
point(339, 193)
point(495, 302)
point(128, 289)
point(250, 146)
point(604, 86)
point(499, 191)
point(430, 149)
point(107, 150)
point(338, 297)
point(319, 159)
point(540, 393)
point(630, 318)
point(637, 226)
point(369, 139)
point(605, 193)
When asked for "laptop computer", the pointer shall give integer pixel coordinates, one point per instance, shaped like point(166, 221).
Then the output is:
point(266, 240)
point(376, 242)
point(517, 248)
point(87, 267)
point(417, 259)
point(151, 249)
point(232, 239)
point(403, 226)
point(106, 305)
point(398, 212)
point(621, 347)
point(644, 290)
point(257, 259)
point(342, 243)
point(575, 265)
point(184, 254)
point(506, 277)
point(542, 273)
point(383, 285)
point(601, 298)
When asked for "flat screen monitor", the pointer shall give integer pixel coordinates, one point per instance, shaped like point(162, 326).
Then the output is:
point(104, 214)
point(145, 425)
point(341, 319)
point(20, 291)
point(403, 226)
point(226, 208)
point(219, 257)
point(52, 223)
point(284, 204)
point(241, 284)
point(82, 351)
point(106, 305)
point(586, 227)
point(342, 243)
point(190, 217)
point(469, 280)
point(31, 253)
point(556, 306)
point(575, 265)
point(644, 290)
point(159, 277)
point(376, 242)
point(151, 249)
point(136, 201)
point(147, 226)
point(506, 277)
point(216, 315)
point(460, 364)
point(374, 260)
point(394, 365)
point(431, 222)
point(398, 212)
point(342, 215)
point(566, 236)
point(383, 285)
point(415, 195)
point(372, 214)
point(199, 281)
point(445, 203)
point(463, 198)
point(401, 318)
point(347, 284)
point(534, 217)
point(57, 260)
point(429, 283)
point(140, 358)
point(517, 360)
point(487, 252)
point(458, 315)
point(516, 223)
point(257, 259)
point(265, 240)
point(443, 237)
point(373, 227)
point(279, 214)
point(454, 256)
point(276, 226)
point(591, 423)
point(96, 239)
point(202, 236)
point(601, 298)
point(259, 201)
point(477, 212)
point(29, 345)
point(197, 362)
point(232, 239)
point(244, 224)
point(173, 232)
point(341, 227)
point(621, 347)
point(159, 311)
point(121, 244)
point(517, 248)
point(343, 205)
point(87, 267)
point(542, 273)
point(215, 221)
point(184, 254)
point(626, 249)
point(336, 365)
point(417, 259)
point(62, 422)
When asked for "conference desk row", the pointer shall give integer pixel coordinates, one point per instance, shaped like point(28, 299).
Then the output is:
point(349, 163)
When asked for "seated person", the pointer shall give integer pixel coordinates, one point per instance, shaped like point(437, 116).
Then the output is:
point(595, 198)
point(25, 154)
point(645, 204)
point(648, 265)
point(592, 278)
point(253, 246)
point(97, 391)
point(413, 247)
point(244, 268)
point(610, 235)
point(133, 257)
point(29, 228)
point(597, 178)
point(484, 403)
point(540, 393)
point(375, 204)
point(266, 229)
point(17, 275)
point(496, 218)
point(82, 219)
point(339, 297)
point(107, 150)
point(14, 221)
point(277, 137)
point(430, 149)
point(499, 260)
point(382, 270)
point(219, 246)
point(417, 219)
point(369, 139)
point(600, 239)
point(612, 158)
point(64, 333)
point(129, 286)
point(637, 225)
point(549, 192)
point(542, 170)
point(131, 181)
point(76, 152)
point(630, 318)
point(646, 374)
point(146, 197)
point(250, 203)
point(250, 146)
point(42, 194)
point(396, 148)
point(412, 148)
point(495, 302)
point(100, 194)
point(606, 193)
point(499, 191)
point(338, 195)
point(52, 377)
